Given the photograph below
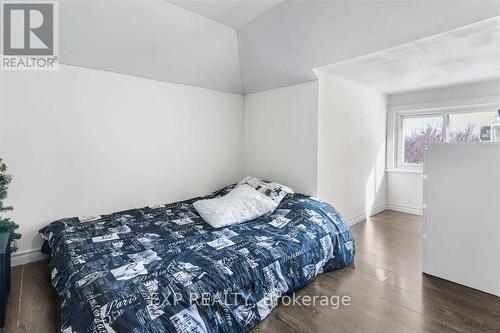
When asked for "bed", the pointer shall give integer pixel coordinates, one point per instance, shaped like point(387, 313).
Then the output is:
point(163, 269)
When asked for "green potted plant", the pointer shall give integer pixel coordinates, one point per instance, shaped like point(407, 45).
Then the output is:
point(6, 224)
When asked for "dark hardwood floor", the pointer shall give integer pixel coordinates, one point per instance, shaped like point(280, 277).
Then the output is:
point(387, 292)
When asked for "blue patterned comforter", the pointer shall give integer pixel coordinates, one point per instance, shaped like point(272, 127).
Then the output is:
point(163, 269)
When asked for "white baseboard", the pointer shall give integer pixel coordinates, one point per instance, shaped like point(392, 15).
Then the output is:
point(27, 256)
point(380, 208)
point(363, 215)
point(415, 210)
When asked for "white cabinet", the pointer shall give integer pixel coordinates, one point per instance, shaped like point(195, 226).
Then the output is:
point(461, 231)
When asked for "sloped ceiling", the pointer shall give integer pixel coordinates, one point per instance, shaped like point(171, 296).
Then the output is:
point(152, 39)
point(159, 40)
point(282, 46)
point(232, 13)
point(466, 54)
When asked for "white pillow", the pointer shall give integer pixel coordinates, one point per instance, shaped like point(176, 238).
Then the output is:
point(242, 204)
point(272, 190)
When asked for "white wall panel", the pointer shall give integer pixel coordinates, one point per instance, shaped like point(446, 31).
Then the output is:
point(83, 142)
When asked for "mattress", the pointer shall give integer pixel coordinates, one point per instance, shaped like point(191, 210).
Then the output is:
point(163, 269)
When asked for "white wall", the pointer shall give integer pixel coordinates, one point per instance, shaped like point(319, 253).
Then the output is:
point(446, 94)
point(351, 147)
point(405, 188)
point(325, 138)
point(153, 39)
point(404, 191)
point(82, 142)
point(280, 140)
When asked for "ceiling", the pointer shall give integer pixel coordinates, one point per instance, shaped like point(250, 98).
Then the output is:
point(282, 46)
point(234, 13)
point(152, 39)
point(467, 54)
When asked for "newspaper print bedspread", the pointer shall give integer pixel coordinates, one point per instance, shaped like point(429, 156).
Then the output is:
point(163, 269)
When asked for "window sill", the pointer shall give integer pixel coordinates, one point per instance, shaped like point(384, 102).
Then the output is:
point(402, 170)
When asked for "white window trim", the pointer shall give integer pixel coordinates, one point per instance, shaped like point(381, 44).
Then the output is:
point(444, 112)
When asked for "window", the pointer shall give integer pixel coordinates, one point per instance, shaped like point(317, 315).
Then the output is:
point(416, 130)
point(466, 127)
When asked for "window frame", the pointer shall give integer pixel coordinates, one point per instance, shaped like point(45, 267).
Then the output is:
point(441, 112)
